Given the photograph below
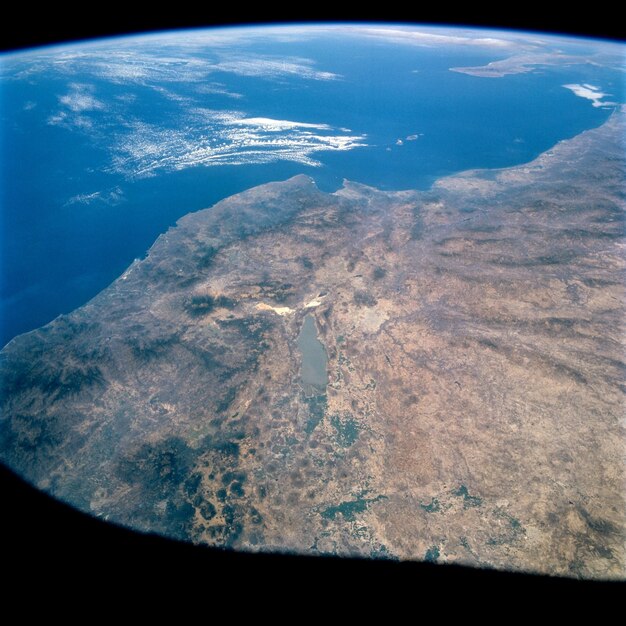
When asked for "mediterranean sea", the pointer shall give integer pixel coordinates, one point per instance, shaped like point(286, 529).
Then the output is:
point(97, 149)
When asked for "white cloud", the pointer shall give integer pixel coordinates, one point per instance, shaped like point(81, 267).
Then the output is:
point(76, 105)
point(57, 119)
point(141, 67)
point(126, 98)
point(82, 123)
point(81, 102)
point(80, 98)
point(434, 37)
point(270, 125)
point(110, 196)
point(170, 95)
point(139, 63)
point(84, 198)
point(273, 67)
point(217, 89)
point(400, 142)
point(212, 138)
point(590, 92)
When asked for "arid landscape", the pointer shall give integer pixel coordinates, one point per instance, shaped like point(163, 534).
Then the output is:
point(414, 375)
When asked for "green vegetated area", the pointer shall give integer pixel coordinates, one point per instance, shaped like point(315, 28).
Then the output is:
point(364, 298)
point(350, 508)
point(163, 472)
point(509, 533)
point(432, 507)
point(432, 554)
point(157, 471)
point(204, 256)
point(203, 304)
point(317, 410)
point(276, 290)
point(436, 505)
point(468, 500)
point(346, 429)
point(379, 272)
point(503, 534)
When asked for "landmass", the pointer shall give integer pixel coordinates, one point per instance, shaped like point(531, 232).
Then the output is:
point(429, 375)
point(518, 64)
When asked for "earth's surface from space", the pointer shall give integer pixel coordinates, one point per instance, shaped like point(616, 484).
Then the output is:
point(398, 332)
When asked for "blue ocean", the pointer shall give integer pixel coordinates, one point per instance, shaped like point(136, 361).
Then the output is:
point(88, 183)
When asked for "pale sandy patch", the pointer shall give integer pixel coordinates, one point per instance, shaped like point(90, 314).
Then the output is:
point(279, 310)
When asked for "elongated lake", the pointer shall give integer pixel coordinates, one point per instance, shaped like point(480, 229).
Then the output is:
point(314, 357)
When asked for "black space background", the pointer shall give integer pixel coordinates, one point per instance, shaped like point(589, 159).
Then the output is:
point(56, 555)
point(29, 25)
